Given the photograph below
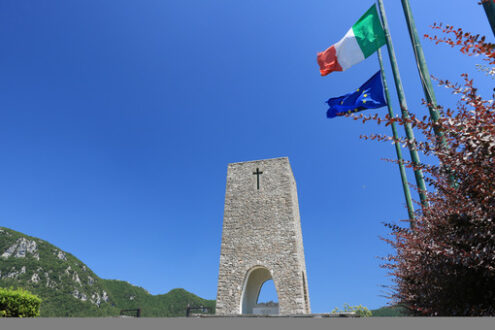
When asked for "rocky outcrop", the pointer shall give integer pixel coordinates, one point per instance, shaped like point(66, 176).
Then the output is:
point(61, 255)
point(14, 273)
point(21, 248)
point(49, 283)
point(3, 232)
point(79, 295)
point(75, 278)
point(95, 299)
point(35, 278)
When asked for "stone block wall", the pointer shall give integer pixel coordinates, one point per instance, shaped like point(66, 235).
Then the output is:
point(261, 239)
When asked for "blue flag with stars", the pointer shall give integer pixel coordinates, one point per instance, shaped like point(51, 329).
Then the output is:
point(368, 96)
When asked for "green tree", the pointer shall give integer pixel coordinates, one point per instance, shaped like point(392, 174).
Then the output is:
point(18, 303)
point(359, 310)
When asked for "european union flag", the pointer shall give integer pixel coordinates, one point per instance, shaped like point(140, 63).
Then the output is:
point(368, 96)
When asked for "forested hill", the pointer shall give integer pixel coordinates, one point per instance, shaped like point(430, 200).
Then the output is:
point(70, 288)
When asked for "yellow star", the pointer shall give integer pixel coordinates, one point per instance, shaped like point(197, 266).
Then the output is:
point(342, 102)
point(358, 90)
point(364, 101)
point(365, 95)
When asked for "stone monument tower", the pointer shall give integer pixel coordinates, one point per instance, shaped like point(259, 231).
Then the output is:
point(261, 239)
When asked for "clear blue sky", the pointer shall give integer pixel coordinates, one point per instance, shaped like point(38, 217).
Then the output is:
point(118, 120)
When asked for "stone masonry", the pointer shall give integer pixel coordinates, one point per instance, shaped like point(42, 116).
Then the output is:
point(261, 239)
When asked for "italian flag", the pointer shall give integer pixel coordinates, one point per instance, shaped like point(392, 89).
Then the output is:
point(363, 39)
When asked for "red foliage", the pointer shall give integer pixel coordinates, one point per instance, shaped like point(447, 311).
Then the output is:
point(471, 44)
point(446, 265)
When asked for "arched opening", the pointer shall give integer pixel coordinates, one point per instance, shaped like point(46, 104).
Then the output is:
point(251, 302)
point(268, 293)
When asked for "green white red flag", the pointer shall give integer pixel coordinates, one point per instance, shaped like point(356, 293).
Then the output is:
point(363, 39)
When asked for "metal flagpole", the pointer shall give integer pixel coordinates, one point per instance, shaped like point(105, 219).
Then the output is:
point(405, 185)
point(424, 75)
point(420, 181)
point(422, 68)
point(489, 6)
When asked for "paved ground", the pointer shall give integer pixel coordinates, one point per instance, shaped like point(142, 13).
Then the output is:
point(239, 323)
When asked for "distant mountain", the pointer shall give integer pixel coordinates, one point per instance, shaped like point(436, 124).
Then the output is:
point(69, 288)
point(390, 311)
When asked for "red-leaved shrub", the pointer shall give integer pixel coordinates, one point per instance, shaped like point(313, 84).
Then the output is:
point(445, 266)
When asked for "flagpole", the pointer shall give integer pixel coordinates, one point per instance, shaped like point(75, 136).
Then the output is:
point(424, 74)
point(418, 174)
point(405, 185)
point(489, 6)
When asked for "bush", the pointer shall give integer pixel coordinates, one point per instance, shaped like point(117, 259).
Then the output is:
point(359, 310)
point(18, 303)
point(445, 265)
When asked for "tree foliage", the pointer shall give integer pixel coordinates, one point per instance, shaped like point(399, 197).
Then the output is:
point(446, 265)
point(18, 303)
point(360, 310)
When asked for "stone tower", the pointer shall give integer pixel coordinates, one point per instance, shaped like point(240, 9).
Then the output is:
point(261, 239)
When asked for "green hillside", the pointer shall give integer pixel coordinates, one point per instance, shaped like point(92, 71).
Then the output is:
point(390, 311)
point(69, 288)
point(173, 303)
